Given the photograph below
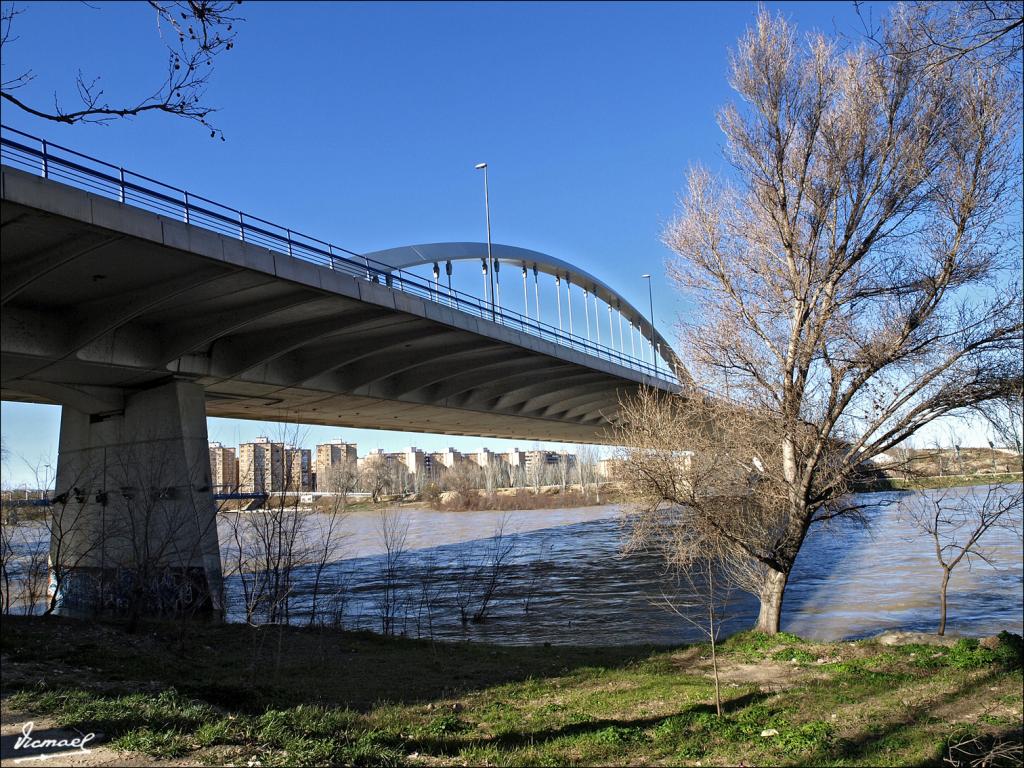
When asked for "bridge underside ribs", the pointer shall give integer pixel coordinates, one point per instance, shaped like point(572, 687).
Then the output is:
point(100, 298)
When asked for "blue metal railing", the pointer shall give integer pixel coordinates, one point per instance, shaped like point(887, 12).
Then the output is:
point(53, 161)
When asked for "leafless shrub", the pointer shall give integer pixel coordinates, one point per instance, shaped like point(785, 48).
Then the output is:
point(393, 532)
point(724, 487)
point(702, 596)
point(268, 549)
point(432, 591)
point(536, 575)
point(500, 549)
point(957, 520)
point(464, 479)
point(23, 568)
point(970, 750)
point(480, 573)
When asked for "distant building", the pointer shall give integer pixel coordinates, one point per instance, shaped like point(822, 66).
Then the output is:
point(515, 459)
point(331, 459)
point(448, 459)
point(543, 458)
point(374, 457)
point(261, 466)
point(486, 458)
point(298, 469)
point(223, 468)
point(415, 461)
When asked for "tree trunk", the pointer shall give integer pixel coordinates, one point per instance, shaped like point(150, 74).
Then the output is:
point(770, 615)
point(942, 602)
point(712, 633)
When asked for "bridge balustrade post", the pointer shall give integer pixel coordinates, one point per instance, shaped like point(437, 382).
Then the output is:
point(558, 298)
point(536, 293)
point(46, 161)
point(586, 311)
point(568, 294)
point(526, 294)
point(121, 190)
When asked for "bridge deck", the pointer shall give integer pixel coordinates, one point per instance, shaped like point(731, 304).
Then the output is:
point(100, 297)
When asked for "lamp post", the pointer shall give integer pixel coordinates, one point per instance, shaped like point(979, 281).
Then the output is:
point(650, 297)
point(487, 212)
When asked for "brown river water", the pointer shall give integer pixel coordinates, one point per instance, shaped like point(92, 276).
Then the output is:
point(566, 581)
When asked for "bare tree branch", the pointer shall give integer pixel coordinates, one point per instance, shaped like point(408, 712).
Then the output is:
point(194, 32)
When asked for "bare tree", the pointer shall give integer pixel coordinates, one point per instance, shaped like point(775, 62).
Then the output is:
point(464, 479)
point(835, 277)
point(267, 550)
point(376, 476)
point(481, 570)
point(702, 604)
point(341, 479)
point(957, 520)
point(500, 549)
point(537, 471)
point(324, 541)
point(393, 530)
point(1005, 418)
point(564, 471)
point(23, 566)
point(73, 538)
point(718, 490)
point(586, 464)
point(154, 528)
point(194, 33)
point(537, 570)
point(989, 33)
point(433, 587)
point(492, 475)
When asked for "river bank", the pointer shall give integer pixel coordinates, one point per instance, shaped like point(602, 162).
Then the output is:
point(934, 482)
point(291, 696)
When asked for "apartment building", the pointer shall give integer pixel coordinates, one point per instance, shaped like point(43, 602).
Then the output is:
point(331, 460)
point(261, 466)
point(448, 459)
point(298, 466)
point(223, 468)
point(414, 460)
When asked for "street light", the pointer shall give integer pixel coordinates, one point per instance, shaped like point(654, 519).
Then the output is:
point(650, 296)
point(487, 212)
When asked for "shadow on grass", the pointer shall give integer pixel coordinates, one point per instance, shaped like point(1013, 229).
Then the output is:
point(897, 728)
point(527, 739)
point(249, 669)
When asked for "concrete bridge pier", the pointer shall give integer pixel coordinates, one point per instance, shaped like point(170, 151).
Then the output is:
point(134, 529)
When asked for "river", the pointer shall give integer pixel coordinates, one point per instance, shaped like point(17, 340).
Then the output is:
point(566, 581)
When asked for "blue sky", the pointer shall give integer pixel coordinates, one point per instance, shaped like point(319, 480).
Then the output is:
point(360, 123)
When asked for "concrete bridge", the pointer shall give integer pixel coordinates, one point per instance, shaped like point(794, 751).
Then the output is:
point(141, 308)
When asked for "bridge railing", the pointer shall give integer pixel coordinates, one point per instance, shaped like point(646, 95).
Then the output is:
point(53, 161)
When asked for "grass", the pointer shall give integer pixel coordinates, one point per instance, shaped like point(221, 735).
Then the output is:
point(225, 694)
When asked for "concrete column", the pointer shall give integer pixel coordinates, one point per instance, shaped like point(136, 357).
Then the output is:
point(134, 522)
